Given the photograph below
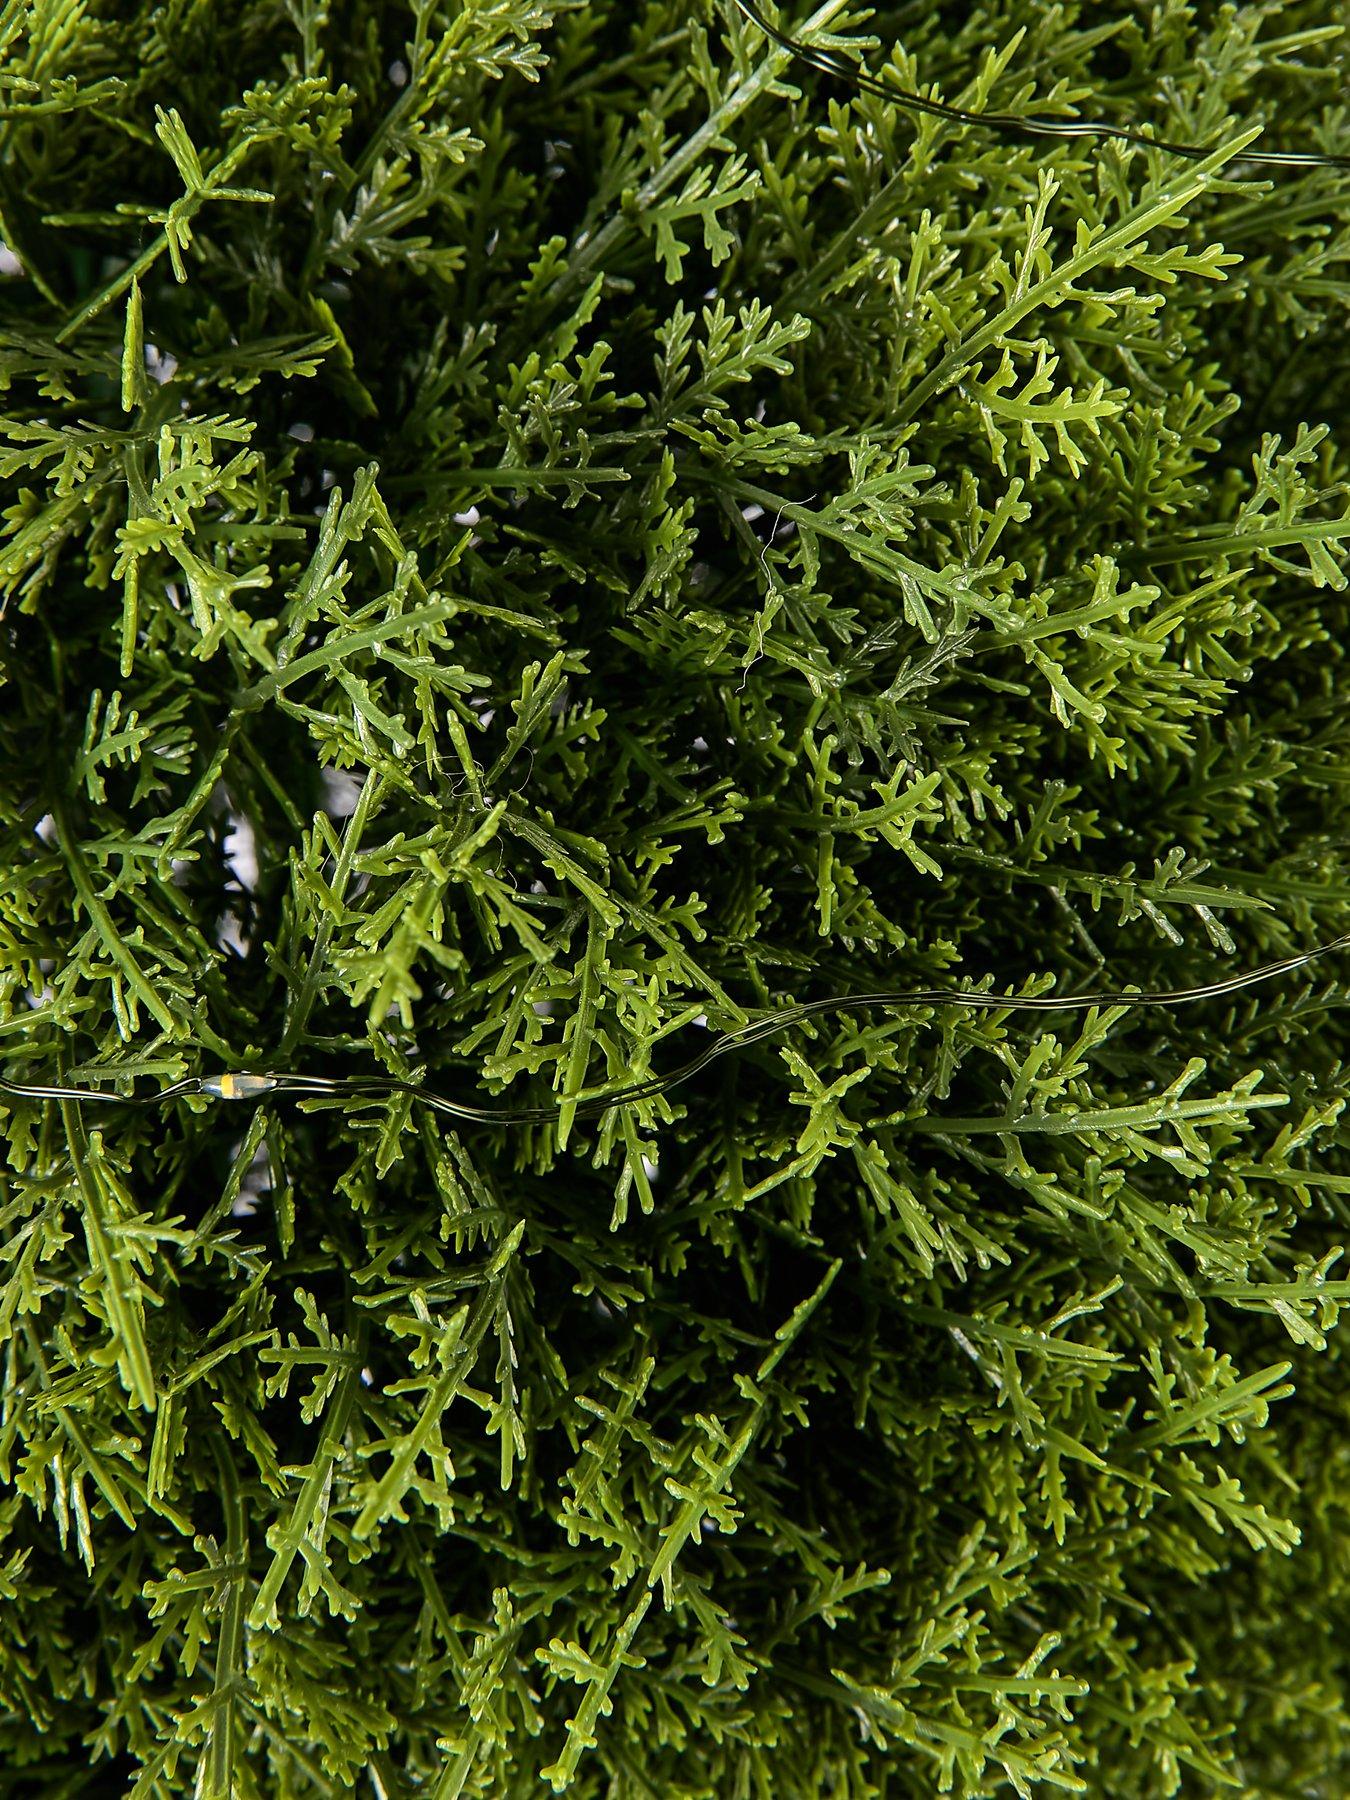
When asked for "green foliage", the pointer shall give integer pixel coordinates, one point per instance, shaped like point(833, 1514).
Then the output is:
point(530, 527)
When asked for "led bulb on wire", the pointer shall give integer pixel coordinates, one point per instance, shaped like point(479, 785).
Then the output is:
point(238, 1087)
point(234, 1086)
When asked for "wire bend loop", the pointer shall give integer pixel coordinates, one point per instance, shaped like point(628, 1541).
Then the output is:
point(1012, 124)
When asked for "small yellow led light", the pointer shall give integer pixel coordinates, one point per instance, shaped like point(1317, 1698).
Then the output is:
point(237, 1087)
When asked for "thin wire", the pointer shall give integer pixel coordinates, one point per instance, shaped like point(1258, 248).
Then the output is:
point(190, 1084)
point(1012, 124)
point(237, 1087)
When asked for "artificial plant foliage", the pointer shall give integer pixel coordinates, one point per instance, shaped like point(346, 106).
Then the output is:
point(630, 535)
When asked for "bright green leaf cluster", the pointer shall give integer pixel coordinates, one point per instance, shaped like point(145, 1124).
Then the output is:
point(528, 531)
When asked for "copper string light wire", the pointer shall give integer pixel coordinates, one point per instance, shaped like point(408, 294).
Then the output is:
point(1012, 124)
point(257, 1086)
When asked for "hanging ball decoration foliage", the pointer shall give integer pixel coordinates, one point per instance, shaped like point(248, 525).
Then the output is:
point(674, 899)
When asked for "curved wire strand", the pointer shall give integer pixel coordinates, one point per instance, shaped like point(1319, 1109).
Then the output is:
point(1011, 124)
point(29, 1090)
point(377, 1087)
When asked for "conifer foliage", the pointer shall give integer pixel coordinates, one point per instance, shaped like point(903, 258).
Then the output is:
point(532, 530)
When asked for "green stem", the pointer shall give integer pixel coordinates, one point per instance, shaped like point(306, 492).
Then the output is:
point(591, 252)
